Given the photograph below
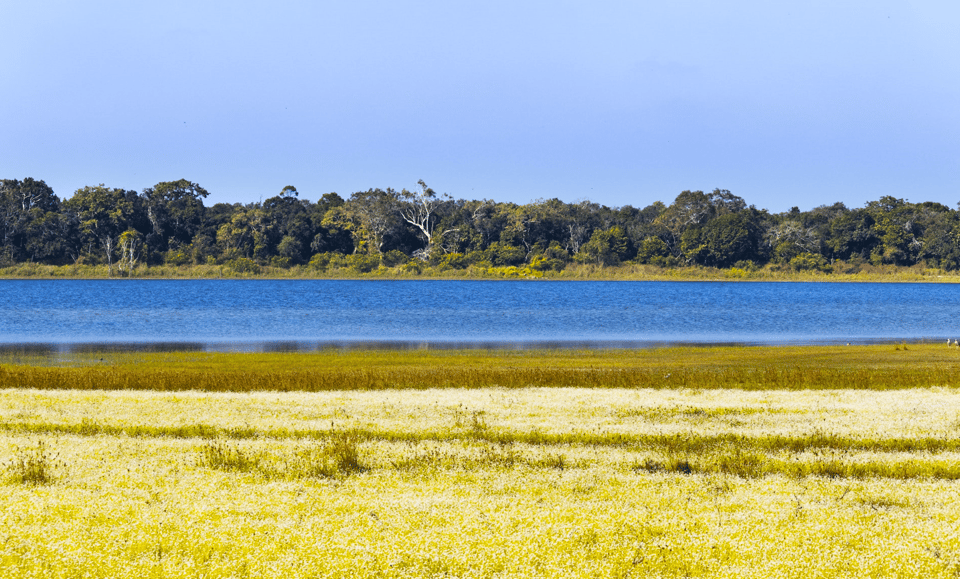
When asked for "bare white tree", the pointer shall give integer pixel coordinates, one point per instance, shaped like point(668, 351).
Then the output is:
point(420, 210)
point(130, 241)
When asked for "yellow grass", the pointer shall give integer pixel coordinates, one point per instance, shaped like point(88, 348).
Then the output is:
point(489, 481)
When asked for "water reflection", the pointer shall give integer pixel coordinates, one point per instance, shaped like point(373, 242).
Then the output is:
point(13, 350)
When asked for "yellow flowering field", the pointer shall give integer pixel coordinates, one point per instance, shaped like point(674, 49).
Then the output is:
point(482, 482)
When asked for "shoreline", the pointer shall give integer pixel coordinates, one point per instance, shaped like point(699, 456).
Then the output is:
point(843, 273)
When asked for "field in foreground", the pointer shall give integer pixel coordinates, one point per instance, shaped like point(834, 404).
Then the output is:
point(518, 481)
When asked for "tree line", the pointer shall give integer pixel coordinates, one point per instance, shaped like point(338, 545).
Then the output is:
point(168, 224)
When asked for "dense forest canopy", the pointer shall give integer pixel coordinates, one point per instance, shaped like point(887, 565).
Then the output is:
point(168, 223)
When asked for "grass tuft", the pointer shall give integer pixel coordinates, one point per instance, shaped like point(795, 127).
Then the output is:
point(557, 461)
point(34, 466)
point(341, 455)
point(222, 455)
point(338, 457)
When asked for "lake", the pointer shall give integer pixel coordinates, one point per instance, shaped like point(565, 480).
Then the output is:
point(307, 314)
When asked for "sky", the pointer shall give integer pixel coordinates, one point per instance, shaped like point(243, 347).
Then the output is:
point(622, 103)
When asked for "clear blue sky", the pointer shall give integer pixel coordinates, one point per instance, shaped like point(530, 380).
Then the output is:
point(783, 103)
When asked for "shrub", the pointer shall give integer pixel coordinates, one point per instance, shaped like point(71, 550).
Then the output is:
point(176, 257)
point(281, 262)
point(506, 255)
point(543, 263)
point(394, 258)
point(339, 457)
point(483, 259)
point(362, 262)
point(557, 461)
point(414, 266)
point(243, 265)
point(453, 261)
point(736, 273)
point(320, 261)
point(810, 261)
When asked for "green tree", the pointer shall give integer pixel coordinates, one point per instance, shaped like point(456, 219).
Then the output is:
point(852, 235)
point(653, 250)
point(292, 229)
point(246, 235)
point(893, 221)
point(606, 247)
point(28, 211)
point(51, 237)
point(102, 214)
point(690, 210)
point(370, 217)
point(941, 239)
point(730, 238)
point(789, 239)
point(175, 211)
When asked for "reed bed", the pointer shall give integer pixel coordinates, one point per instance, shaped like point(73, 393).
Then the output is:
point(880, 367)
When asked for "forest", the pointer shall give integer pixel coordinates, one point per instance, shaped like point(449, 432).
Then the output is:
point(168, 224)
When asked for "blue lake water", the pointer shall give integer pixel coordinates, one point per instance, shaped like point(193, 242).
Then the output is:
point(305, 314)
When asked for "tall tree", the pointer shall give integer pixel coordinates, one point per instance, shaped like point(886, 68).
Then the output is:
point(291, 230)
point(852, 235)
point(732, 237)
point(27, 209)
point(690, 210)
point(370, 216)
point(103, 213)
point(895, 221)
point(175, 210)
point(606, 247)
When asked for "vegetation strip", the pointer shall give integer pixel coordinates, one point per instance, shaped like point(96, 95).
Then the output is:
point(746, 464)
point(691, 443)
point(340, 453)
point(881, 367)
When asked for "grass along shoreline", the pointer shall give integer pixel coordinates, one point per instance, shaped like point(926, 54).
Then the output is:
point(841, 272)
point(872, 367)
